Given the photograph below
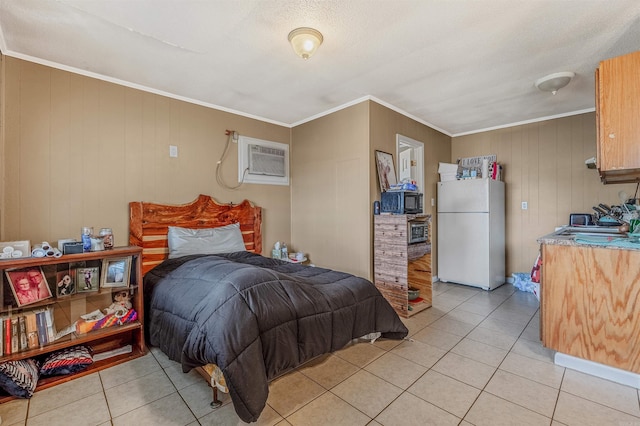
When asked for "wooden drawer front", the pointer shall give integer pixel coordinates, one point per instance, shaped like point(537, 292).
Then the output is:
point(395, 295)
point(396, 275)
point(390, 233)
point(389, 254)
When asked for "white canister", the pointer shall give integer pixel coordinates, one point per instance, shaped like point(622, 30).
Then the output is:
point(97, 243)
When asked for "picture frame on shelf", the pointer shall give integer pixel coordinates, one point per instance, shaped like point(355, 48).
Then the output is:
point(65, 283)
point(115, 272)
point(386, 170)
point(28, 285)
point(87, 279)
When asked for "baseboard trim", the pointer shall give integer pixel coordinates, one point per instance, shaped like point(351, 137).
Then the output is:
point(599, 370)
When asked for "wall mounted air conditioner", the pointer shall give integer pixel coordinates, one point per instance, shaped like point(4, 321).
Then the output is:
point(264, 160)
point(261, 161)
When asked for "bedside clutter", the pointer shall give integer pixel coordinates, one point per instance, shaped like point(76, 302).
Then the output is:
point(20, 378)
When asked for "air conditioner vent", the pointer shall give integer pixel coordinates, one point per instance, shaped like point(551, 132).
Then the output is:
point(264, 160)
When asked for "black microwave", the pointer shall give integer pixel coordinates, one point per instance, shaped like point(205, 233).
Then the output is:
point(401, 202)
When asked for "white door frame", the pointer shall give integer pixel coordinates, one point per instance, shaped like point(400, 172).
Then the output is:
point(418, 150)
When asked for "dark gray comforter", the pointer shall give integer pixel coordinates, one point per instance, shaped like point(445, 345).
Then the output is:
point(257, 318)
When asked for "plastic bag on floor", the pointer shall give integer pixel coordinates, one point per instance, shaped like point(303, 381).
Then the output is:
point(522, 281)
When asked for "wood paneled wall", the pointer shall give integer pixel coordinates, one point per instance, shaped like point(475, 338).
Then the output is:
point(77, 150)
point(329, 198)
point(544, 165)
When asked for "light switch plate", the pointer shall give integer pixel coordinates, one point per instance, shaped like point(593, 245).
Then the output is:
point(173, 151)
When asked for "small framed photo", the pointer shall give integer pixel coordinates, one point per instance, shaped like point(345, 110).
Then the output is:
point(28, 285)
point(386, 170)
point(115, 272)
point(66, 283)
point(87, 279)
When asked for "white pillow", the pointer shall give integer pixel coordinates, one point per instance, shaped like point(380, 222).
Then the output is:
point(185, 241)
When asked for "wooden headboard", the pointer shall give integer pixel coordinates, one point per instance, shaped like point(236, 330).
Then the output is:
point(149, 224)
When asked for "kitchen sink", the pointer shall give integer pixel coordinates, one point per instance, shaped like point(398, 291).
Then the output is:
point(592, 231)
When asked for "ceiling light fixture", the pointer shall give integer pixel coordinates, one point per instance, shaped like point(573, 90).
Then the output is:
point(554, 82)
point(305, 41)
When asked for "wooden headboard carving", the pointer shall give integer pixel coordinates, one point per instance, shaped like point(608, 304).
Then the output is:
point(149, 224)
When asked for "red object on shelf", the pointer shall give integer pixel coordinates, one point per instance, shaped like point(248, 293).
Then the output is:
point(416, 300)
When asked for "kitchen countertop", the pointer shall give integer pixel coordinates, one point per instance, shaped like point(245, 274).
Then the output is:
point(560, 237)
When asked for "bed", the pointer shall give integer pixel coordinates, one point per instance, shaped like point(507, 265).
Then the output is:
point(250, 317)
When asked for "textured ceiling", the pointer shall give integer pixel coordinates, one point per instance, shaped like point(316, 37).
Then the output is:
point(460, 66)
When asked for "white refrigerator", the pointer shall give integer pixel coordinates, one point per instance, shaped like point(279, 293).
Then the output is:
point(471, 232)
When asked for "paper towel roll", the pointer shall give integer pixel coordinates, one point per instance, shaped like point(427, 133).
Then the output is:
point(485, 168)
point(38, 252)
point(8, 250)
point(16, 253)
point(46, 246)
point(57, 253)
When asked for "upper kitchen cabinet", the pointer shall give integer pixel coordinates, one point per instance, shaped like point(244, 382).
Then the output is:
point(618, 118)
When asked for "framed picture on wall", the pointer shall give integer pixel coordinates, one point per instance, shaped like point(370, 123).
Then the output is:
point(386, 170)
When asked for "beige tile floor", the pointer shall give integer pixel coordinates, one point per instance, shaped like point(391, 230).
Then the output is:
point(474, 358)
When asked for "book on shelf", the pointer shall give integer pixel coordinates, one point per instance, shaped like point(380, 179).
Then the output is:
point(26, 330)
point(51, 331)
point(7, 336)
point(41, 324)
point(2, 319)
point(15, 335)
point(32, 330)
point(22, 326)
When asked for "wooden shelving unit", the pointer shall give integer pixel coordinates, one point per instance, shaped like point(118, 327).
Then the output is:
point(67, 310)
point(399, 265)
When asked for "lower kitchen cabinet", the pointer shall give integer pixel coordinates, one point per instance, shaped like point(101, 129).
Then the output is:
point(590, 304)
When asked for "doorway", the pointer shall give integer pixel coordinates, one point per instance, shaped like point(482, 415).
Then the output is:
point(410, 155)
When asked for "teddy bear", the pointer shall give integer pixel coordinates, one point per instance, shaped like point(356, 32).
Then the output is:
point(121, 304)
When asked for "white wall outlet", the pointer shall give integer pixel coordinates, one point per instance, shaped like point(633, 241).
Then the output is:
point(525, 205)
point(173, 151)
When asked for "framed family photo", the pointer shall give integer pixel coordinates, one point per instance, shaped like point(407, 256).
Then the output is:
point(386, 170)
point(87, 279)
point(28, 285)
point(66, 283)
point(115, 272)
